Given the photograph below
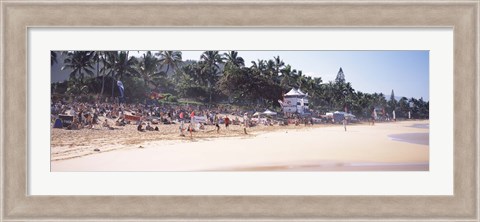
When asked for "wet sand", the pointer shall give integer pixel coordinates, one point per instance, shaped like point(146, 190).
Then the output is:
point(360, 148)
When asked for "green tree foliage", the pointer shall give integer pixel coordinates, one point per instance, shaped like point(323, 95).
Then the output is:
point(210, 62)
point(169, 59)
point(340, 76)
point(146, 68)
point(220, 78)
point(79, 63)
point(53, 58)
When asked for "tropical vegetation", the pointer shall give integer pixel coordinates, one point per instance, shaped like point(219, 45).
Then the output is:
point(216, 78)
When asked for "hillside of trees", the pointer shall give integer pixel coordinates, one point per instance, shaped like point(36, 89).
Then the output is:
point(215, 78)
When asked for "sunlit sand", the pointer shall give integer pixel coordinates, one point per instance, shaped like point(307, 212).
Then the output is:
point(393, 146)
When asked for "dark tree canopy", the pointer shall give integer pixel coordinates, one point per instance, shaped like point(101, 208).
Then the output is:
point(218, 78)
point(340, 76)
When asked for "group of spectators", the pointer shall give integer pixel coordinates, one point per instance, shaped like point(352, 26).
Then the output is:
point(190, 117)
point(88, 115)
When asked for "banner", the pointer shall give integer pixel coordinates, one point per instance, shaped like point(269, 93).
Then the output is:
point(200, 119)
point(132, 118)
point(120, 88)
point(66, 120)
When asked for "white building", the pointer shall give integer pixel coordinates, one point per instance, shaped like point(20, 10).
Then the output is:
point(295, 101)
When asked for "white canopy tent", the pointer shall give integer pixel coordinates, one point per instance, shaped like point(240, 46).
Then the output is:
point(269, 113)
point(257, 114)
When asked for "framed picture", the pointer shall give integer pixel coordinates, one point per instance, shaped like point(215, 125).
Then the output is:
point(41, 183)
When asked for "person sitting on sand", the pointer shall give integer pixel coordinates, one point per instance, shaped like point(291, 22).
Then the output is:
point(156, 128)
point(139, 127)
point(89, 120)
point(74, 125)
point(120, 122)
point(236, 121)
point(148, 127)
point(105, 124)
point(95, 118)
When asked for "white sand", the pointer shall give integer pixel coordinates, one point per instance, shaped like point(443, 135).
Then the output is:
point(362, 147)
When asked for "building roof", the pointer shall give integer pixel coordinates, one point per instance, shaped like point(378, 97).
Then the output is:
point(295, 92)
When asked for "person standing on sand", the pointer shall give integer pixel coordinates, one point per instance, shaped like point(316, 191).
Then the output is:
point(192, 116)
point(215, 121)
point(182, 122)
point(373, 117)
point(227, 122)
point(192, 123)
point(181, 116)
point(345, 123)
point(245, 123)
point(190, 128)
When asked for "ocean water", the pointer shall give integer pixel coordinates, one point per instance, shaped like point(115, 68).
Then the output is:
point(421, 125)
point(415, 138)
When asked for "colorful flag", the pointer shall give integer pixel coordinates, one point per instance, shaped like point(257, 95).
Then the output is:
point(120, 88)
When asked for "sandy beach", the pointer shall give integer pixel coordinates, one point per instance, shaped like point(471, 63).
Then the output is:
point(392, 146)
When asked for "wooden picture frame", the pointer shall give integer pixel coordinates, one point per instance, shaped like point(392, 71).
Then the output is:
point(18, 16)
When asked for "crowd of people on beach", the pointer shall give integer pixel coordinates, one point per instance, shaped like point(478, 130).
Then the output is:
point(191, 118)
point(84, 115)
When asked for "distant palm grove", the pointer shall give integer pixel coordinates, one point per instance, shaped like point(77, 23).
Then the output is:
point(216, 78)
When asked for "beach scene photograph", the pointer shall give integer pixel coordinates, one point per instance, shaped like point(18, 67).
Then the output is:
point(239, 111)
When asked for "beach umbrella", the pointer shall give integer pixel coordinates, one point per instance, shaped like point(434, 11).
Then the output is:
point(269, 113)
point(257, 114)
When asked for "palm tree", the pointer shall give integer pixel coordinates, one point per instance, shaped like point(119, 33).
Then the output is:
point(259, 67)
point(118, 64)
point(211, 61)
point(300, 79)
point(102, 58)
point(232, 58)
point(80, 62)
point(326, 96)
point(147, 68)
point(124, 65)
point(403, 107)
point(108, 60)
point(53, 58)
point(288, 77)
point(170, 59)
point(278, 64)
